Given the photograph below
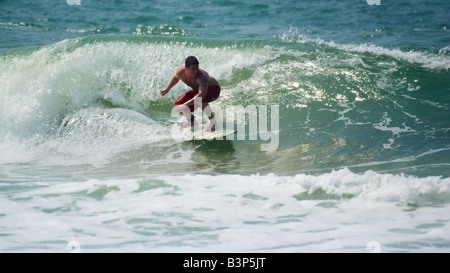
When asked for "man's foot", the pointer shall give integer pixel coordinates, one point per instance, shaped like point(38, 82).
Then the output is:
point(191, 123)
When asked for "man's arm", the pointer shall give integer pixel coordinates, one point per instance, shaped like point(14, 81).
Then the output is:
point(172, 83)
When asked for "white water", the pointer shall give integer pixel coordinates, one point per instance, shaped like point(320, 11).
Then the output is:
point(336, 212)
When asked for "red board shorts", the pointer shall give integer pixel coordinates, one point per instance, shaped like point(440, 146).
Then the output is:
point(212, 94)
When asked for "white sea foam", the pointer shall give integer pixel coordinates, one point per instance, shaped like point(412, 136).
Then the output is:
point(334, 212)
point(425, 59)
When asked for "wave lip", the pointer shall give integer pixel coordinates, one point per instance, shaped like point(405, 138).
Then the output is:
point(437, 61)
point(372, 186)
point(161, 30)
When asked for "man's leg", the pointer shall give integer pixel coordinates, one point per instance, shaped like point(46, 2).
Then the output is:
point(212, 121)
point(212, 95)
point(186, 110)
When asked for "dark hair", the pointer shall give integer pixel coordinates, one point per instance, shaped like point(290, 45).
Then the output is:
point(191, 60)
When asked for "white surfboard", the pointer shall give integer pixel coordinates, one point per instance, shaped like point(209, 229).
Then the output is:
point(204, 135)
point(198, 133)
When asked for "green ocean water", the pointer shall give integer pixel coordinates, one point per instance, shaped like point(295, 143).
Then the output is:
point(357, 100)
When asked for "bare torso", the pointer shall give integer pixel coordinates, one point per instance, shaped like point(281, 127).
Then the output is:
point(201, 78)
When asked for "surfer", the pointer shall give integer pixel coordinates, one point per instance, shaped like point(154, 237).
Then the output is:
point(205, 89)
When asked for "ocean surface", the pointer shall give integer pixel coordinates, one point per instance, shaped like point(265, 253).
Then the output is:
point(343, 144)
